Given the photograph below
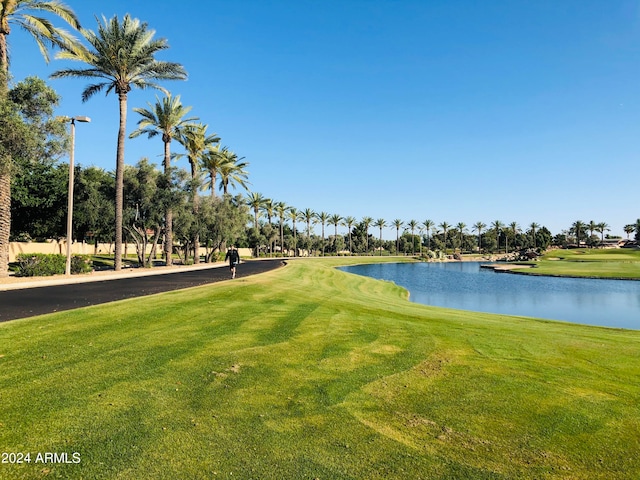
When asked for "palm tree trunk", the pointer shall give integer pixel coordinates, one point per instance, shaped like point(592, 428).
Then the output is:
point(4, 65)
point(295, 240)
point(168, 214)
point(122, 97)
point(196, 209)
point(5, 221)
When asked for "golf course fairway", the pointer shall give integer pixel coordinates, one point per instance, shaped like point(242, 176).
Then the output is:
point(310, 372)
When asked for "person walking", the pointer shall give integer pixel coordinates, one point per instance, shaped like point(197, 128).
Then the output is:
point(234, 259)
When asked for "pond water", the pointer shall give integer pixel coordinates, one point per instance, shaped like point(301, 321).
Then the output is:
point(466, 286)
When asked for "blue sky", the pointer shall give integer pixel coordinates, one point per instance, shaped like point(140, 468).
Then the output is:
point(456, 111)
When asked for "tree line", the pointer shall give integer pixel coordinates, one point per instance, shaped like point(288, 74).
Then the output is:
point(164, 208)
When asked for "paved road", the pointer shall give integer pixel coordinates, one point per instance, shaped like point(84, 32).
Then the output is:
point(29, 302)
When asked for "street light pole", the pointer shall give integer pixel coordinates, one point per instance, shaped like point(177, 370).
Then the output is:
point(70, 196)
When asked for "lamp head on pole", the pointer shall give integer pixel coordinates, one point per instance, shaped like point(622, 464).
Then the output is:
point(81, 119)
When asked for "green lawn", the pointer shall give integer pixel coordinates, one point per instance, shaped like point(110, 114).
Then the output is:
point(310, 372)
point(600, 263)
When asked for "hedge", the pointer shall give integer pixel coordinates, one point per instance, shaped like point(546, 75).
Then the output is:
point(43, 265)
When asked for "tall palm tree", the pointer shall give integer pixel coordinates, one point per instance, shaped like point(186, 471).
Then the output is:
point(398, 224)
point(308, 216)
point(122, 57)
point(281, 209)
point(461, 227)
point(255, 201)
point(349, 222)
point(268, 207)
point(629, 229)
point(428, 225)
point(165, 118)
point(232, 171)
point(323, 218)
point(445, 227)
point(578, 227)
point(367, 221)
point(592, 227)
point(601, 228)
point(534, 226)
point(515, 228)
point(412, 224)
point(211, 162)
point(16, 12)
point(497, 226)
point(335, 220)
point(197, 143)
point(380, 223)
point(293, 216)
point(478, 227)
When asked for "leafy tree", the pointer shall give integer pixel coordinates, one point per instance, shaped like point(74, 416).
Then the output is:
point(165, 118)
point(38, 206)
point(543, 238)
point(39, 200)
point(144, 208)
point(224, 221)
point(30, 140)
point(361, 237)
point(122, 57)
point(94, 209)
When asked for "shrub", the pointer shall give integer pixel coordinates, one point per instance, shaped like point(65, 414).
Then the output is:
point(43, 265)
point(81, 264)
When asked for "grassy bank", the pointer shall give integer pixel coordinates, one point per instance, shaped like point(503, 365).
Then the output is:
point(310, 372)
point(595, 263)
